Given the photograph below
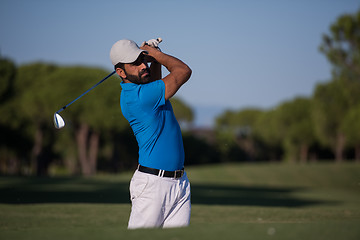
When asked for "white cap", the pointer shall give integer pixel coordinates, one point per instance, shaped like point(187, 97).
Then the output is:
point(124, 51)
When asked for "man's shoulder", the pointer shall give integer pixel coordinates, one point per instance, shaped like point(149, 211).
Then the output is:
point(153, 84)
point(149, 95)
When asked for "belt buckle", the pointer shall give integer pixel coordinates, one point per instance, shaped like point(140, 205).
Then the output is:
point(178, 171)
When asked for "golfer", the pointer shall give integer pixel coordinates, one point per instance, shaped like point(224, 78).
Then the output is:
point(159, 188)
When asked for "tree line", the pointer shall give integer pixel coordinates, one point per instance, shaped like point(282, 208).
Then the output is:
point(325, 125)
point(98, 138)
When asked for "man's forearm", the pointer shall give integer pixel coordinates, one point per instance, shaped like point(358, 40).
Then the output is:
point(170, 62)
point(155, 69)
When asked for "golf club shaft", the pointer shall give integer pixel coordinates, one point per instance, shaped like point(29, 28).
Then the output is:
point(63, 108)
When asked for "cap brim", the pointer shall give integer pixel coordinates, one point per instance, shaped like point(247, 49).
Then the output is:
point(125, 51)
point(133, 56)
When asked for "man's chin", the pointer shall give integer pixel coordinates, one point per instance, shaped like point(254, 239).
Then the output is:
point(146, 79)
point(140, 80)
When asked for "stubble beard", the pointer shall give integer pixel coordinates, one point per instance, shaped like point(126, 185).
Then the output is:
point(139, 79)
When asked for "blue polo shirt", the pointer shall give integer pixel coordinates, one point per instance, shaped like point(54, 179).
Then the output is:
point(153, 122)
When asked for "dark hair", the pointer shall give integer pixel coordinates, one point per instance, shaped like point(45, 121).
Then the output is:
point(119, 65)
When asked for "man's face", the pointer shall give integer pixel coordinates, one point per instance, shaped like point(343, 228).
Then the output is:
point(138, 72)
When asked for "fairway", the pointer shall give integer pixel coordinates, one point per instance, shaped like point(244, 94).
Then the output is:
point(237, 201)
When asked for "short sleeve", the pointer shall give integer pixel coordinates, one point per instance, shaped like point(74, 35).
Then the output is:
point(152, 95)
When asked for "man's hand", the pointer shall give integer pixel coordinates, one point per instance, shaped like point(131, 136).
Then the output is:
point(150, 53)
point(153, 43)
point(150, 46)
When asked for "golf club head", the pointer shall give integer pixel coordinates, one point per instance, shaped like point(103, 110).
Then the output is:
point(58, 121)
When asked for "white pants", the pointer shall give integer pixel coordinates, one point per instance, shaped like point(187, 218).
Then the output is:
point(159, 202)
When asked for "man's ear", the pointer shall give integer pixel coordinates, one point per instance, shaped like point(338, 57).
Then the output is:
point(121, 72)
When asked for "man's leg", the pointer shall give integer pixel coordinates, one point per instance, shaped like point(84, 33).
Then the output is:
point(146, 203)
point(179, 215)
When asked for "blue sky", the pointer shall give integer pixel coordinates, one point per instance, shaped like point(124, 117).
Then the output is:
point(243, 53)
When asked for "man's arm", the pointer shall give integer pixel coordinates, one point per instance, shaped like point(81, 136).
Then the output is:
point(179, 71)
point(155, 69)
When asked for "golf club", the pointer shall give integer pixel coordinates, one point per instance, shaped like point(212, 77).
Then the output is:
point(58, 120)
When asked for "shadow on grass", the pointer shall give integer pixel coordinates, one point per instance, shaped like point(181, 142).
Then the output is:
point(249, 196)
point(82, 190)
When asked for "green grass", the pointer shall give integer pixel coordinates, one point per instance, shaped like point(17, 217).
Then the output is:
point(241, 201)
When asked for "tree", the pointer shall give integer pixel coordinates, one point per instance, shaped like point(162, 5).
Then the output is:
point(266, 129)
point(236, 128)
point(7, 78)
point(351, 128)
point(33, 106)
point(13, 143)
point(334, 100)
point(342, 46)
point(295, 124)
point(330, 105)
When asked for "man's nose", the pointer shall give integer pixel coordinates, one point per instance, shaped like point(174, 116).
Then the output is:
point(144, 65)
